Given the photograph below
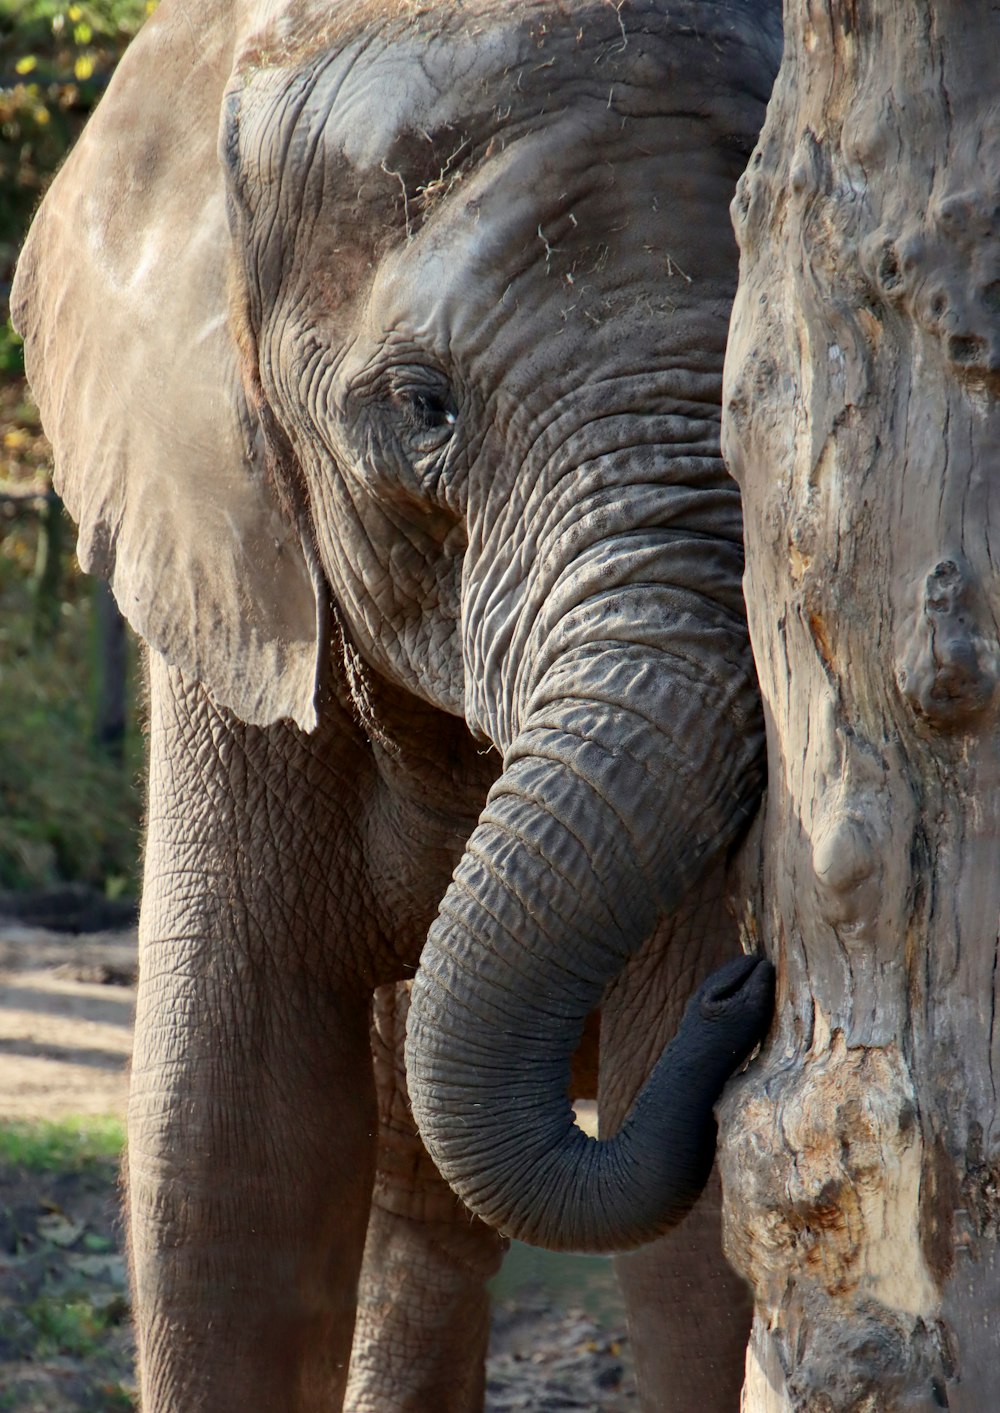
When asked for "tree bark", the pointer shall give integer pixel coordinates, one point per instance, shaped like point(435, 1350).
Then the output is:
point(110, 673)
point(46, 577)
point(860, 1156)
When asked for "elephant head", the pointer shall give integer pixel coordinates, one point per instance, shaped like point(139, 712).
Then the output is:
point(417, 315)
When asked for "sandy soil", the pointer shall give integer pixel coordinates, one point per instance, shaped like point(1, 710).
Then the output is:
point(66, 1008)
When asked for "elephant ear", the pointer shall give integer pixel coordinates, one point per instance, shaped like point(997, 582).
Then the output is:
point(122, 298)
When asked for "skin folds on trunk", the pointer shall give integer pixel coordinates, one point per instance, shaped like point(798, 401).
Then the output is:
point(635, 764)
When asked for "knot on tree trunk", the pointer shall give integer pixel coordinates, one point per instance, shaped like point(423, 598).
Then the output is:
point(938, 265)
point(949, 669)
point(825, 1173)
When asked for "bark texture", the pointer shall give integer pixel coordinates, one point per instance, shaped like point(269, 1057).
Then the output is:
point(860, 1158)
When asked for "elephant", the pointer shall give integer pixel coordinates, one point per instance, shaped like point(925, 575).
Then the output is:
point(380, 347)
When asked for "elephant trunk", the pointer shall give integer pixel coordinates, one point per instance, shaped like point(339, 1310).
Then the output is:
point(637, 758)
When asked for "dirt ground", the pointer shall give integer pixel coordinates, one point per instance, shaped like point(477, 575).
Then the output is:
point(66, 1005)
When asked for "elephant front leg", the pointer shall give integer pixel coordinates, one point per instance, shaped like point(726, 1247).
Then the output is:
point(423, 1308)
point(252, 1106)
point(689, 1314)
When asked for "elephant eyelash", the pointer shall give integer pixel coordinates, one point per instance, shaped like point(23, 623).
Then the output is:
point(426, 410)
point(410, 417)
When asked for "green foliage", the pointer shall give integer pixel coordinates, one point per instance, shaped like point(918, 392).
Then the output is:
point(55, 62)
point(60, 1145)
point(11, 350)
point(67, 811)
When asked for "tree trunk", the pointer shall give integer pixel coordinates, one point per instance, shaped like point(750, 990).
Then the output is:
point(46, 577)
point(860, 1155)
point(110, 673)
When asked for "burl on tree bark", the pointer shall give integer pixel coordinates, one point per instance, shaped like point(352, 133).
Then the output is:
point(862, 419)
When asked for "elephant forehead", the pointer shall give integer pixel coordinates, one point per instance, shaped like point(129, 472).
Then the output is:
point(413, 93)
point(411, 86)
point(539, 203)
point(353, 102)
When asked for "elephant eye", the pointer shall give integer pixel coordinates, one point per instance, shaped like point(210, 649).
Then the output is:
point(425, 412)
point(429, 411)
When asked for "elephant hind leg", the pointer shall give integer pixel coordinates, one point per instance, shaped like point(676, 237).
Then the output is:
point(423, 1308)
point(689, 1315)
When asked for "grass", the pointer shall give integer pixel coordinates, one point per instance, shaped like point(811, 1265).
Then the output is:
point(65, 1339)
point(61, 1145)
point(74, 1329)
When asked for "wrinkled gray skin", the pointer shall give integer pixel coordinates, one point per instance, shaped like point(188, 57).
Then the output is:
point(381, 350)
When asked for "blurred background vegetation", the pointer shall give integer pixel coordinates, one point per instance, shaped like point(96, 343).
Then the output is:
point(70, 747)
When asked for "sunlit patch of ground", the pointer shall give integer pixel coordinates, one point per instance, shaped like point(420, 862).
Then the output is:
point(66, 1009)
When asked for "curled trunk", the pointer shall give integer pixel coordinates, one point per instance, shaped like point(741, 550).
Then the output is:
point(637, 760)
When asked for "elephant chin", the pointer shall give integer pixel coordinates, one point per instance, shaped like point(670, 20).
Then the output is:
point(608, 810)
